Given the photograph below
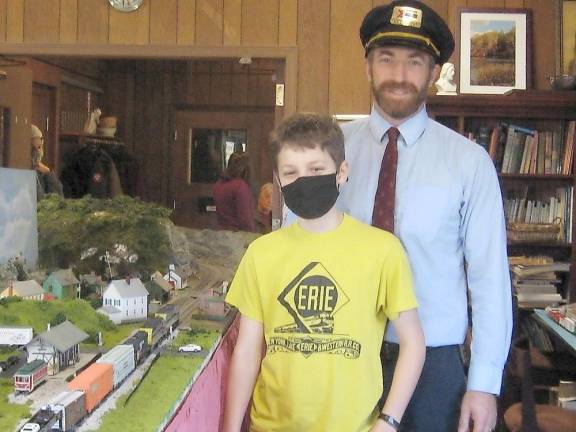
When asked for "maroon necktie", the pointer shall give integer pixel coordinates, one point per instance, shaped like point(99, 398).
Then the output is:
point(383, 214)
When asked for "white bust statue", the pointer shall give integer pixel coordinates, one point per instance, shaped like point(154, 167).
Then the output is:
point(445, 83)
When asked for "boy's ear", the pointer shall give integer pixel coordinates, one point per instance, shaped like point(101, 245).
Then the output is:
point(342, 173)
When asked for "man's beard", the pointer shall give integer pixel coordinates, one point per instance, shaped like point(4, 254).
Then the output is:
point(399, 109)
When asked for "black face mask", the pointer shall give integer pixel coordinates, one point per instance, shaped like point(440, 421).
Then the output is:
point(312, 196)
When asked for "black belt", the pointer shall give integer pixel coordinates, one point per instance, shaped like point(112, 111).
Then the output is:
point(391, 350)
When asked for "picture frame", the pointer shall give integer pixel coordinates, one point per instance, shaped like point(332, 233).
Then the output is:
point(495, 50)
point(568, 45)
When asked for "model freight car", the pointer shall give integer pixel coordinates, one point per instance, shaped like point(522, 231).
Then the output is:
point(29, 376)
point(121, 358)
point(139, 341)
point(43, 421)
point(169, 313)
point(96, 382)
point(71, 408)
point(156, 331)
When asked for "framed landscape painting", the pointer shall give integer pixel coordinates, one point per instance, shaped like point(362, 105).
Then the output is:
point(495, 51)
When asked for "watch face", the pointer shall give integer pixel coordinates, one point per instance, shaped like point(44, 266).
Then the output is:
point(125, 5)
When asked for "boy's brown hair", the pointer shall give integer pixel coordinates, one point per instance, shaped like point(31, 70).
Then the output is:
point(308, 131)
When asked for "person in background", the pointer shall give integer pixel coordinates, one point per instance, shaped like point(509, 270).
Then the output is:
point(47, 182)
point(233, 196)
point(264, 208)
point(446, 208)
point(314, 299)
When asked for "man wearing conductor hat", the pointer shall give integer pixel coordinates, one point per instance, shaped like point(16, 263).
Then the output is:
point(439, 193)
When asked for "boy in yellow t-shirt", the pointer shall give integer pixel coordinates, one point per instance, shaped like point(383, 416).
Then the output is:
point(314, 299)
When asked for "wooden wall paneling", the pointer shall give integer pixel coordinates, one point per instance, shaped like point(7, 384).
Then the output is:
point(68, 21)
point(313, 55)
point(180, 85)
point(42, 21)
point(166, 132)
point(15, 21)
point(440, 6)
point(16, 94)
point(264, 162)
point(93, 21)
point(260, 23)
point(288, 23)
point(130, 28)
point(239, 90)
point(232, 22)
point(349, 90)
point(486, 3)
point(220, 83)
point(3, 20)
point(510, 4)
point(150, 135)
point(252, 85)
point(209, 25)
point(543, 45)
point(454, 7)
point(163, 21)
point(267, 83)
point(201, 83)
point(186, 26)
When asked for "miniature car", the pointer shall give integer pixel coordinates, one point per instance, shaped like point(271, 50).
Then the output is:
point(190, 348)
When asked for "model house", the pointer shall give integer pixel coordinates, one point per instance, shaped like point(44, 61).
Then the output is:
point(28, 290)
point(62, 284)
point(59, 346)
point(125, 300)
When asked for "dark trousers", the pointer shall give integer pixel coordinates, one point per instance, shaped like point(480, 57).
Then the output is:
point(435, 405)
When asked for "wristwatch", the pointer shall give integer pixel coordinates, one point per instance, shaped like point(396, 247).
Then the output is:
point(388, 419)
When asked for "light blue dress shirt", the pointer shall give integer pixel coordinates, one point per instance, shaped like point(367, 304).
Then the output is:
point(450, 219)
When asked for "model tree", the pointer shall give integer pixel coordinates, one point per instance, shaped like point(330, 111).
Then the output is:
point(125, 235)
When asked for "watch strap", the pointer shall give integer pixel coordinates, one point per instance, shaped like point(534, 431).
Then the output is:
point(388, 419)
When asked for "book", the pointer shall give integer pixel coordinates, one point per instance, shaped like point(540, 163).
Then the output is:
point(529, 270)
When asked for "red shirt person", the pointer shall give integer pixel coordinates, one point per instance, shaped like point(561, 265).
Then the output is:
point(233, 196)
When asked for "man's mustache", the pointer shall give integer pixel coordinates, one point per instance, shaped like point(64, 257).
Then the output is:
point(392, 86)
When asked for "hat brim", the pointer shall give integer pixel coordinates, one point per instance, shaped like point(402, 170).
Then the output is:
point(402, 41)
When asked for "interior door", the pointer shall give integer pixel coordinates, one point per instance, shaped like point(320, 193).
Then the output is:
point(44, 116)
point(202, 141)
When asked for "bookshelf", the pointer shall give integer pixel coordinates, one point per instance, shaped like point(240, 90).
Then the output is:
point(530, 136)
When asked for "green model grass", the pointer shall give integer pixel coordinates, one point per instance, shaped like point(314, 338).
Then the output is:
point(10, 414)
point(38, 314)
point(166, 380)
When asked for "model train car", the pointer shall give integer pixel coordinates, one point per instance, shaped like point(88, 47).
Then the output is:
point(29, 376)
point(156, 331)
point(139, 342)
point(169, 313)
point(91, 386)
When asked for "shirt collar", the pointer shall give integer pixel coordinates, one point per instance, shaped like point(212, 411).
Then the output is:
point(410, 129)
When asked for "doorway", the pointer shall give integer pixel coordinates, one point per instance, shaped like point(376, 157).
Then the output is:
point(204, 141)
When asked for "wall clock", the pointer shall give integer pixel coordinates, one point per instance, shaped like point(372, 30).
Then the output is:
point(125, 5)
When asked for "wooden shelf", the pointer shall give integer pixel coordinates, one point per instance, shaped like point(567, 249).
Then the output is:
point(544, 110)
point(536, 177)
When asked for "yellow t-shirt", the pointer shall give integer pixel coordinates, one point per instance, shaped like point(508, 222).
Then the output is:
point(323, 300)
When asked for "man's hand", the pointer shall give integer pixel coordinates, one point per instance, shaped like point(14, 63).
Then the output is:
point(381, 426)
point(478, 408)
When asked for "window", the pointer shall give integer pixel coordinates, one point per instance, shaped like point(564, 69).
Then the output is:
point(209, 150)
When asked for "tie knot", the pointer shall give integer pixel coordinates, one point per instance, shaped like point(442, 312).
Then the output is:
point(393, 134)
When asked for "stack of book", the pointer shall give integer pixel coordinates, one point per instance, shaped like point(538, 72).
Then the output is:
point(536, 280)
point(520, 150)
point(554, 208)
